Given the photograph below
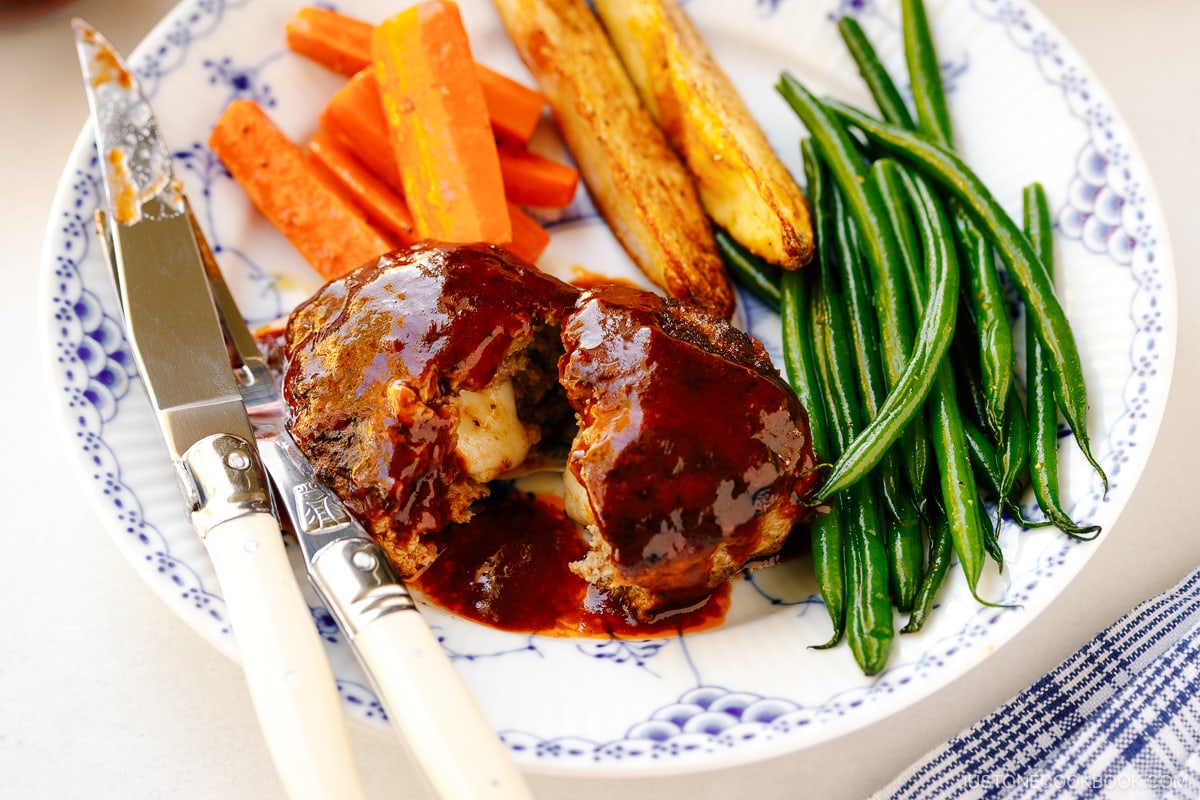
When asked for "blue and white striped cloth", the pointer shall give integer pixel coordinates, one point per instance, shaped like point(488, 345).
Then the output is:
point(1118, 719)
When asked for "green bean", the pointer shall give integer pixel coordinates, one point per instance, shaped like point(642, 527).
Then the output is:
point(984, 459)
point(904, 543)
point(991, 536)
point(838, 380)
point(888, 299)
point(841, 247)
point(1029, 273)
point(985, 294)
point(1043, 415)
point(1014, 455)
point(835, 371)
point(886, 175)
point(864, 336)
point(1012, 445)
point(902, 533)
point(827, 535)
point(940, 551)
point(838, 150)
point(760, 278)
point(960, 497)
point(911, 387)
point(986, 299)
point(906, 557)
point(870, 626)
point(820, 198)
point(826, 531)
point(987, 302)
point(1000, 468)
point(957, 480)
point(959, 494)
point(869, 621)
point(875, 75)
point(925, 75)
point(856, 288)
point(971, 396)
point(890, 176)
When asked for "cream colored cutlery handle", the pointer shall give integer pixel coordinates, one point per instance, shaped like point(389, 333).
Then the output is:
point(433, 712)
point(290, 680)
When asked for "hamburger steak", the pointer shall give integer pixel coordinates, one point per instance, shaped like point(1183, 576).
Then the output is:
point(415, 380)
point(418, 379)
point(693, 457)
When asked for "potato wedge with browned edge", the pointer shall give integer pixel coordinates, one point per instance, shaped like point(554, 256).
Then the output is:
point(743, 185)
point(638, 183)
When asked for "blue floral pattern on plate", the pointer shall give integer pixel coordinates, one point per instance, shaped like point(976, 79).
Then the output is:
point(719, 697)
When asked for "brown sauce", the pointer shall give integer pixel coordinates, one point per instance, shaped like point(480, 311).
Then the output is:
point(507, 568)
point(584, 278)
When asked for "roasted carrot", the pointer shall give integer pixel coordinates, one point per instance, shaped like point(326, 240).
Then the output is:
point(514, 108)
point(529, 238)
point(354, 116)
point(440, 132)
point(382, 205)
point(343, 44)
point(332, 234)
point(531, 179)
point(335, 41)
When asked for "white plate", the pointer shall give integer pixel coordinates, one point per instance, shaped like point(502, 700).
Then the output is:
point(1026, 108)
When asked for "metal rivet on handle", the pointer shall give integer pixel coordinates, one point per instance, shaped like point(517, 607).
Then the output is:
point(237, 459)
point(364, 560)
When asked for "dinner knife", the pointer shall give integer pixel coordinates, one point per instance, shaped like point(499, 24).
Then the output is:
point(179, 348)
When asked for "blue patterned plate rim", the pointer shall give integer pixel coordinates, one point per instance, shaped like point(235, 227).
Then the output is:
point(721, 698)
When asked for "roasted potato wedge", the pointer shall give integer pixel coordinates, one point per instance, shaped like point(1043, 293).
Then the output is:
point(743, 185)
point(637, 181)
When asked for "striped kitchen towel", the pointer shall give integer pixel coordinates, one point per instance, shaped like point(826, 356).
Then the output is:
point(1118, 719)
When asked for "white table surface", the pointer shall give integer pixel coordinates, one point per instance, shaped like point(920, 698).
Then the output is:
point(105, 693)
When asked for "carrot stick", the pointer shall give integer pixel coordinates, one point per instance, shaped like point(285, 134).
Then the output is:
point(335, 41)
point(529, 238)
point(331, 233)
point(354, 128)
point(354, 115)
point(514, 108)
point(438, 119)
point(534, 180)
point(343, 44)
point(383, 206)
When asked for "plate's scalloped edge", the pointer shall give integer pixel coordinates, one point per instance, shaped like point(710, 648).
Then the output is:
point(1110, 209)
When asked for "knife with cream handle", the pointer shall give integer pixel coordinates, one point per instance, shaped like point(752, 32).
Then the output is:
point(180, 353)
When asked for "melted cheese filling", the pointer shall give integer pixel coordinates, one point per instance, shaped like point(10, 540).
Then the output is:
point(491, 438)
point(576, 503)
